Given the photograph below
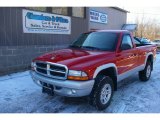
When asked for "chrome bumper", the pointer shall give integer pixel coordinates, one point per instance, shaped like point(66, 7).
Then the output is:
point(65, 87)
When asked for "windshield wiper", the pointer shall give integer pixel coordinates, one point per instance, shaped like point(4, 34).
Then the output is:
point(91, 47)
point(75, 46)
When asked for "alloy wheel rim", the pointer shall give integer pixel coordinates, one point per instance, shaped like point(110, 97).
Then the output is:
point(148, 71)
point(105, 93)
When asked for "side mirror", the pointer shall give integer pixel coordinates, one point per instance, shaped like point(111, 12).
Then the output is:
point(125, 47)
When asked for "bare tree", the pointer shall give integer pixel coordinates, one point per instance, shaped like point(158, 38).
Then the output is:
point(148, 28)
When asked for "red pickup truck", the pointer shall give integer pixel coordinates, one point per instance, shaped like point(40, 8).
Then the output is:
point(93, 65)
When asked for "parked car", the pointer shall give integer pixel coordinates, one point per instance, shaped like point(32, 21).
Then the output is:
point(156, 42)
point(93, 65)
point(142, 41)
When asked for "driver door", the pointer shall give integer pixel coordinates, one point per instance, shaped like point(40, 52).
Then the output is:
point(127, 57)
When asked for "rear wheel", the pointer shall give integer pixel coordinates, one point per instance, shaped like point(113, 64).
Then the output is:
point(102, 92)
point(145, 74)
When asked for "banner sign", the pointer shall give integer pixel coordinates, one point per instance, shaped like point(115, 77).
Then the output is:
point(98, 17)
point(40, 22)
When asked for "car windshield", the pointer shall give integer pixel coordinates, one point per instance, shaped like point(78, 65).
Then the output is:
point(96, 40)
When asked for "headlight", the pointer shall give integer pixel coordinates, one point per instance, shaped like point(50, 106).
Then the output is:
point(77, 75)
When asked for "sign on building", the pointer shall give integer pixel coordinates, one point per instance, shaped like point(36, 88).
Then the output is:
point(98, 17)
point(40, 22)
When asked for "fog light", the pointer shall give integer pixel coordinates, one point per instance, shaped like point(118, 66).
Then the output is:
point(38, 82)
point(73, 91)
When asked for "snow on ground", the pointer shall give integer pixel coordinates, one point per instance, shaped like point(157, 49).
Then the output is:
point(18, 94)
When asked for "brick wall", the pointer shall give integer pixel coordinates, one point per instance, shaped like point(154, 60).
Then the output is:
point(17, 49)
point(17, 58)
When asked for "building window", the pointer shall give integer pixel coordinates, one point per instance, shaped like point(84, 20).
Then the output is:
point(78, 12)
point(38, 8)
point(60, 10)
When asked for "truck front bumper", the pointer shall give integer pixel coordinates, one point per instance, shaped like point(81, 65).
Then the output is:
point(65, 87)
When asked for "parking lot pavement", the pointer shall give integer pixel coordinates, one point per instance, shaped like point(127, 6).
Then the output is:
point(18, 94)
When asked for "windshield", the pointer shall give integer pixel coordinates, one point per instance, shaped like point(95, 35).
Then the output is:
point(96, 40)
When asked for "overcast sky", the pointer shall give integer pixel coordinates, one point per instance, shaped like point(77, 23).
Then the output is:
point(148, 12)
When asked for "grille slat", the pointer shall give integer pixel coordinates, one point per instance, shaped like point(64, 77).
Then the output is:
point(57, 71)
point(51, 70)
point(41, 68)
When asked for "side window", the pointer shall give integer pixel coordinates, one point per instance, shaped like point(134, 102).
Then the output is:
point(126, 43)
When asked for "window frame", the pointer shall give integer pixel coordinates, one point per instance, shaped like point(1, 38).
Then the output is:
point(122, 41)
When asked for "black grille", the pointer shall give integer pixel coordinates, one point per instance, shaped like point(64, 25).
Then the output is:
point(51, 70)
point(57, 74)
point(42, 65)
point(42, 70)
point(57, 68)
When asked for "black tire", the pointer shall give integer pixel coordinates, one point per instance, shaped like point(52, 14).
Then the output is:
point(96, 94)
point(143, 74)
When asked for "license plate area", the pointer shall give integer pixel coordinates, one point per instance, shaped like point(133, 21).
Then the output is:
point(48, 88)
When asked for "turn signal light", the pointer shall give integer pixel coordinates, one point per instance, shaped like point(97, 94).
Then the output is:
point(77, 77)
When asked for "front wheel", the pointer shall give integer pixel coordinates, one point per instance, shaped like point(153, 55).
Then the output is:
point(102, 92)
point(145, 74)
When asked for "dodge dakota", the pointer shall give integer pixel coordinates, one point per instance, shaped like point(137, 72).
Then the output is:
point(93, 65)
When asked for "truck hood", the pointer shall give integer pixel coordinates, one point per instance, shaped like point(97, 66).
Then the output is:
point(75, 58)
